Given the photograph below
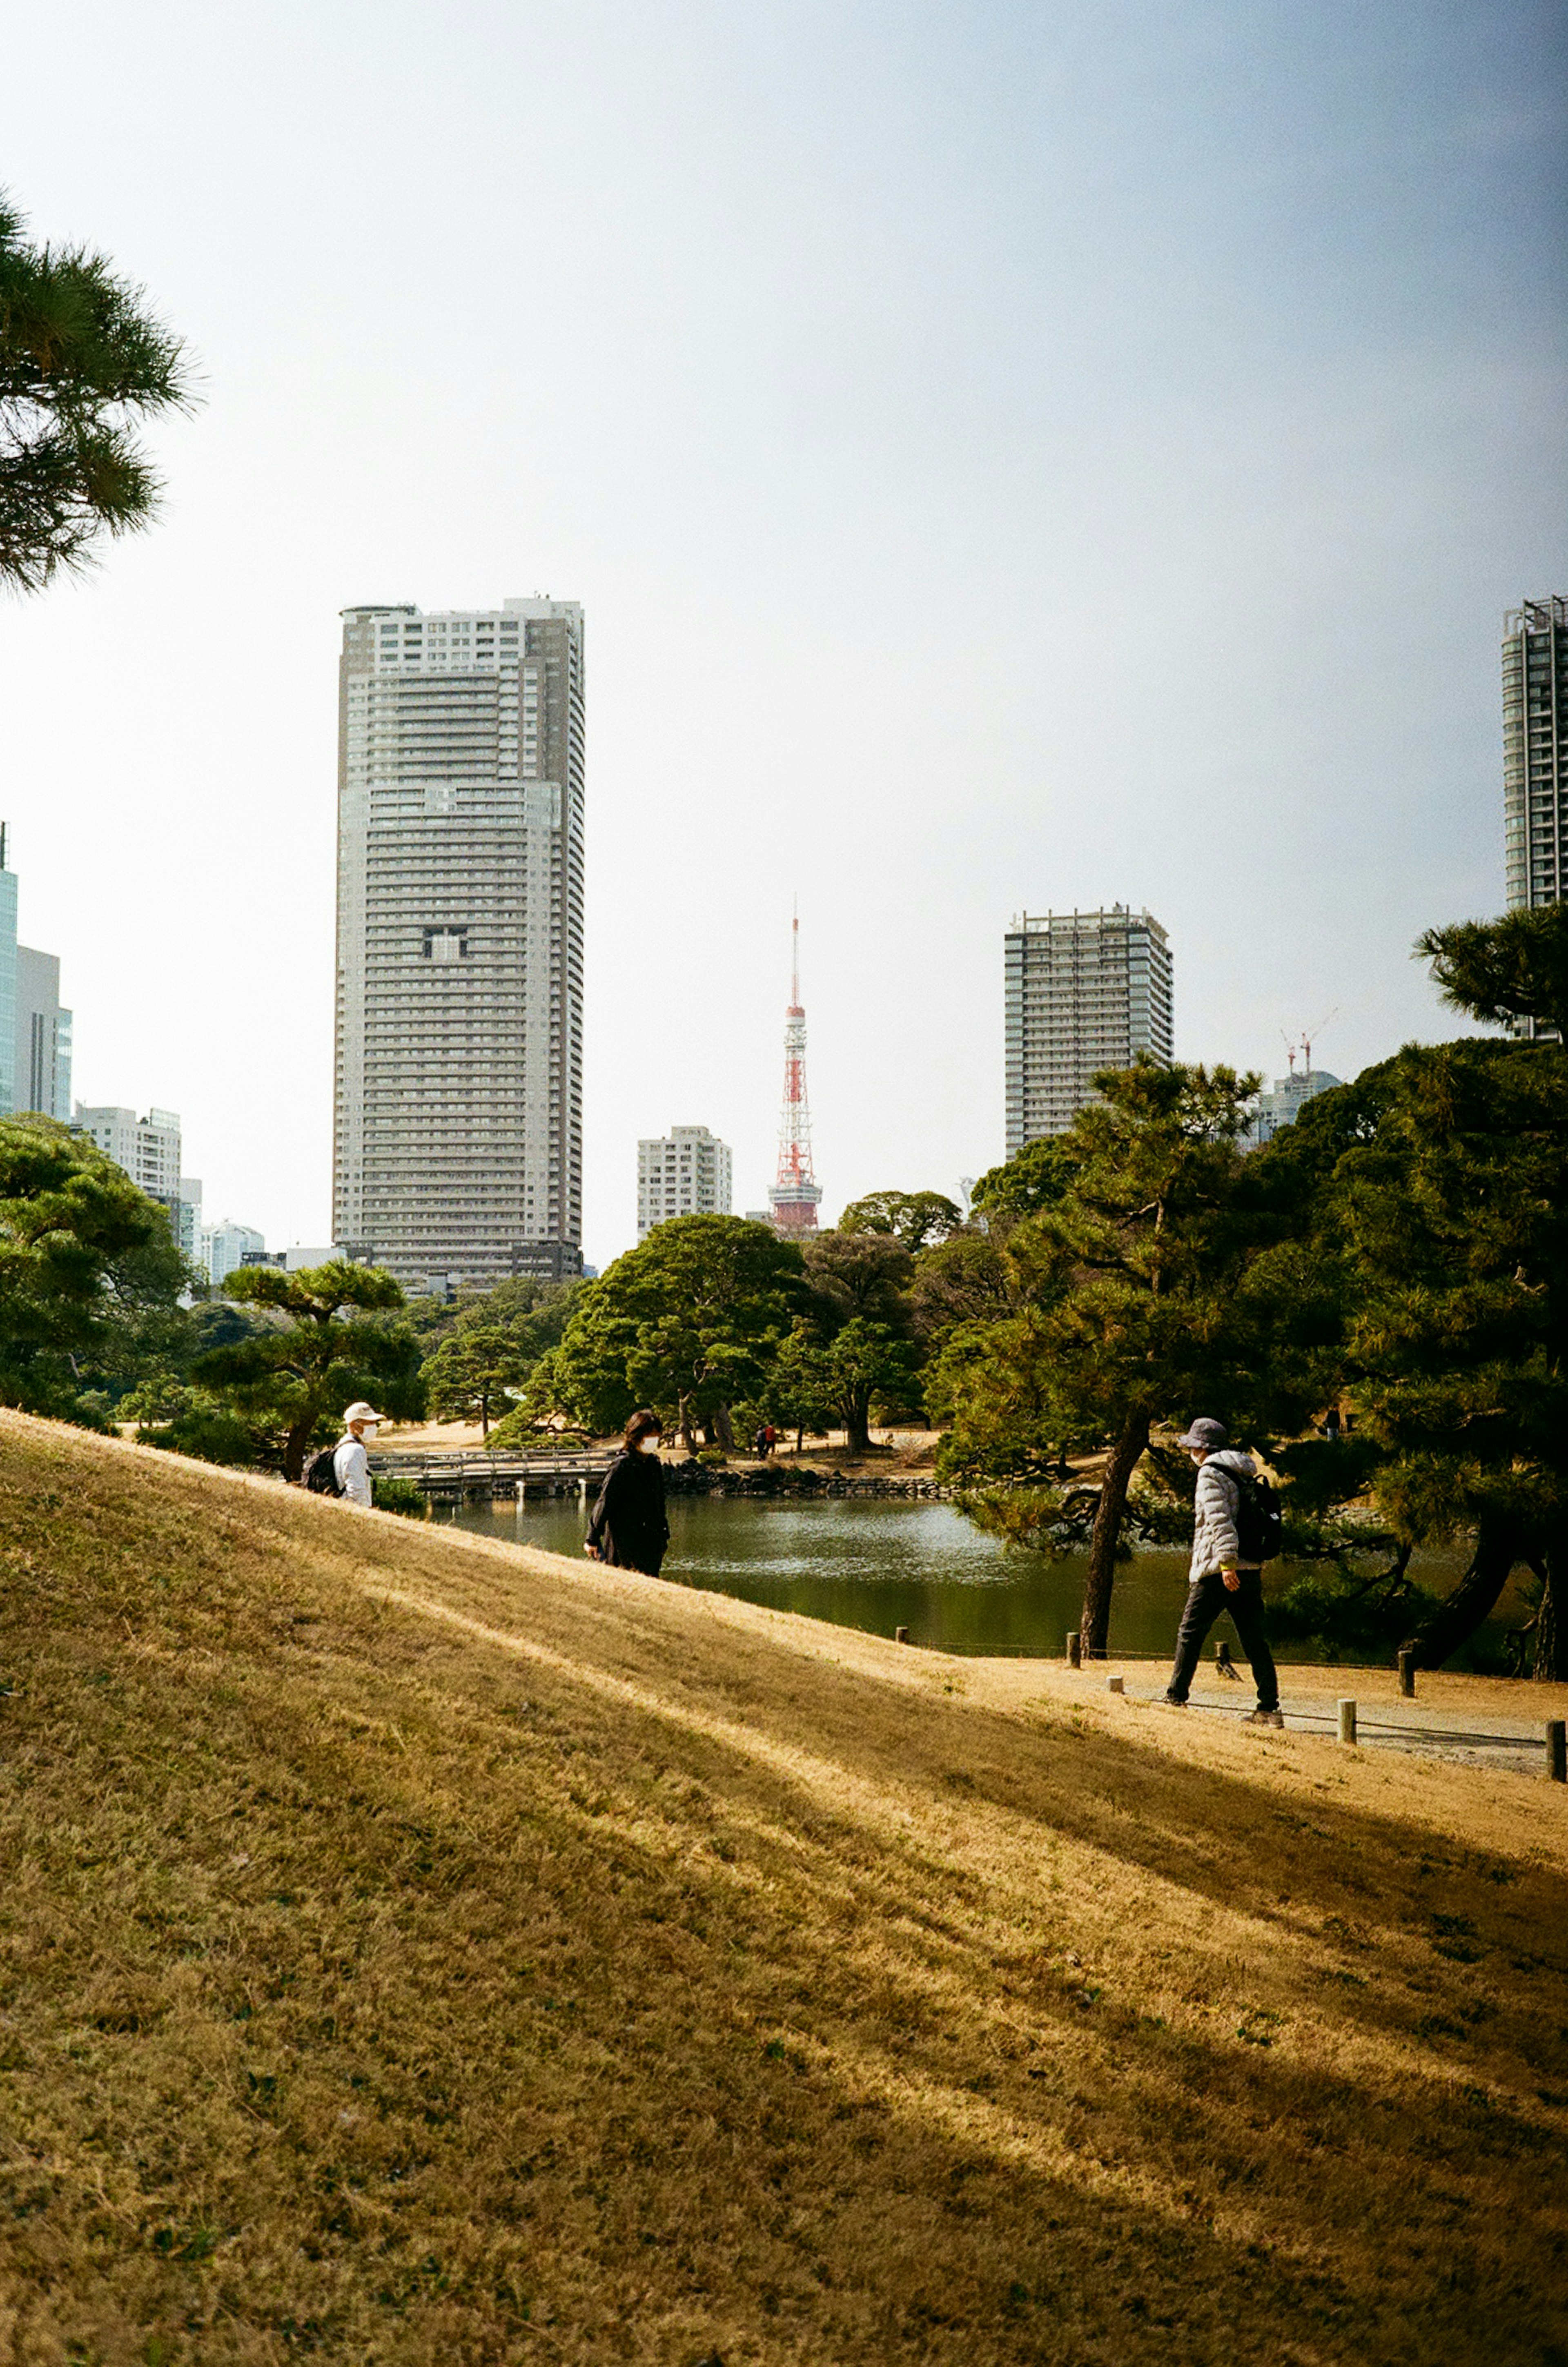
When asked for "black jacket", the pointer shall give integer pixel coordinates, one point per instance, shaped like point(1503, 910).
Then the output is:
point(629, 1524)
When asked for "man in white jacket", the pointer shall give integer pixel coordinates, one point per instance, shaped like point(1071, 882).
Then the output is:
point(1217, 1578)
point(349, 1461)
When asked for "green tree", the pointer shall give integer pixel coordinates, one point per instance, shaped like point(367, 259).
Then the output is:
point(918, 1220)
point(1501, 970)
point(860, 1293)
point(1444, 1193)
point(473, 1373)
point(82, 362)
point(1133, 1305)
point(1034, 1179)
point(329, 1341)
point(687, 1322)
point(796, 1393)
point(88, 1267)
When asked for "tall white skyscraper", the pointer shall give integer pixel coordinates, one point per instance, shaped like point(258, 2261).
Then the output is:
point(458, 1134)
point(1084, 991)
point(683, 1173)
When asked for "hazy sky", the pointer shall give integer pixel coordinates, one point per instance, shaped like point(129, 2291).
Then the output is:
point(1010, 456)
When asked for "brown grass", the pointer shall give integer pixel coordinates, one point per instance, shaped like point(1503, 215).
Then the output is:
point(417, 1949)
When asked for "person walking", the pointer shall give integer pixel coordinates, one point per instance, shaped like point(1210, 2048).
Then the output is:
point(629, 1527)
point(350, 1463)
point(1219, 1577)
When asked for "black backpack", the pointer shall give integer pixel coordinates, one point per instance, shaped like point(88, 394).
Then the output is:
point(1260, 1524)
point(321, 1473)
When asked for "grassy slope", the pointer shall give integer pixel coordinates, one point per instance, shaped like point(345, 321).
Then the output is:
point(581, 1969)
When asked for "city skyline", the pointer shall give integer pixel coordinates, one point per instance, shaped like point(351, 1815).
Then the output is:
point(1108, 482)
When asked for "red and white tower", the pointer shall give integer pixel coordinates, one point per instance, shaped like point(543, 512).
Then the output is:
point(794, 1197)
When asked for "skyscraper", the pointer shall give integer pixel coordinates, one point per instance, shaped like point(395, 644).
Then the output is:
point(684, 1173)
point(1535, 753)
point(42, 1071)
point(1084, 991)
point(35, 1033)
point(458, 1133)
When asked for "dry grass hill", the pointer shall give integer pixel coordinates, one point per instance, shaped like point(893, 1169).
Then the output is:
point(415, 1950)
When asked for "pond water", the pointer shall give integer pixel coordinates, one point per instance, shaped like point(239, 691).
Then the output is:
point(884, 1565)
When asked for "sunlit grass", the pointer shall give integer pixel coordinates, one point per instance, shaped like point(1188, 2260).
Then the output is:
point(416, 1949)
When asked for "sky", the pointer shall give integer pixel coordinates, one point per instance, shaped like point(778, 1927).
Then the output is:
point(1011, 458)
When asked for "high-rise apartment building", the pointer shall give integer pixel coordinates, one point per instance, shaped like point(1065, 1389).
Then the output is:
point(42, 1071)
point(149, 1150)
point(1084, 991)
point(683, 1173)
point(1535, 753)
point(458, 1133)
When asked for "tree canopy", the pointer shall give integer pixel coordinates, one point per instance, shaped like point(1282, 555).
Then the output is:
point(1501, 970)
point(334, 1334)
point(687, 1322)
point(90, 1276)
point(918, 1220)
point(83, 361)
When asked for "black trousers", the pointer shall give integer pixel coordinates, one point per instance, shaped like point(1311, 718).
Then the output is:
point(1207, 1598)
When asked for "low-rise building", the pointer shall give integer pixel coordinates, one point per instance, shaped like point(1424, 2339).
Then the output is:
point(683, 1173)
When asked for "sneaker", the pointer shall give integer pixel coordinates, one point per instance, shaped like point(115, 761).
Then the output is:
point(1265, 1717)
point(1175, 1701)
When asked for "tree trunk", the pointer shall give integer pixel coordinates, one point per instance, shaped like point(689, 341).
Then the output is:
point(683, 1415)
point(1459, 1615)
point(1123, 1462)
point(294, 1447)
point(484, 1417)
point(1551, 1626)
point(724, 1428)
point(856, 1413)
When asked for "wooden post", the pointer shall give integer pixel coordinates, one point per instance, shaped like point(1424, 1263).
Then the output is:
point(1116, 1684)
point(901, 1635)
point(1222, 1659)
point(1348, 1721)
point(1408, 1675)
point(1075, 1648)
point(1557, 1751)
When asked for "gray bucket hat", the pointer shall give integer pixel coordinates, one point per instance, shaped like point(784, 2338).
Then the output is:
point(1207, 1435)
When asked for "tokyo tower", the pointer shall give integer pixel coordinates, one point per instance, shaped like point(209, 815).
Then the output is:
point(794, 1196)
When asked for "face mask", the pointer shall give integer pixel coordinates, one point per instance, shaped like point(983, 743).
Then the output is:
point(369, 1429)
point(648, 1445)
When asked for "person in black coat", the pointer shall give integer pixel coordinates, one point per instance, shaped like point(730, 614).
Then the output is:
point(629, 1527)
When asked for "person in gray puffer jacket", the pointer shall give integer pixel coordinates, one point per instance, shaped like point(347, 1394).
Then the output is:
point(1217, 1579)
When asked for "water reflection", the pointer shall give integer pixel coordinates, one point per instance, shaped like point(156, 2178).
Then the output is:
point(924, 1567)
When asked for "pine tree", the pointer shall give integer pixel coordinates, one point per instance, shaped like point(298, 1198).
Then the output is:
point(82, 361)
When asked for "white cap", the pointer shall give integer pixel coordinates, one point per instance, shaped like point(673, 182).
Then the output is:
point(361, 1411)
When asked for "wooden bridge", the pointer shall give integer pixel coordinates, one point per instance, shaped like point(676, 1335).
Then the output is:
point(472, 1476)
point(479, 1478)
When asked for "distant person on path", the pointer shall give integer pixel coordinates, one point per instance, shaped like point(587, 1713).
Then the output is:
point(769, 1441)
point(350, 1463)
point(1219, 1577)
point(1331, 1425)
point(629, 1527)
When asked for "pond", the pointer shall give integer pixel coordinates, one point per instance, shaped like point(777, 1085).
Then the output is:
point(921, 1565)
